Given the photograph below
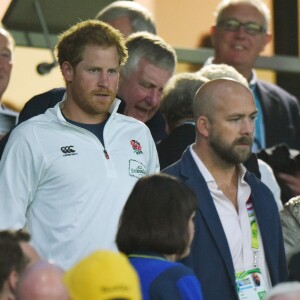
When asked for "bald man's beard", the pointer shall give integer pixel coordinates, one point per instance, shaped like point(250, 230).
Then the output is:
point(233, 153)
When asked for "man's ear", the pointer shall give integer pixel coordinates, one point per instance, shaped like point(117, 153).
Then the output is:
point(212, 35)
point(67, 71)
point(267, 40)
point(12, 280)
point(203, 126)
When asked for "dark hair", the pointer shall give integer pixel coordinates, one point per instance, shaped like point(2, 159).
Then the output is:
point(11, 255)
point(73, 41)
point(155, 217)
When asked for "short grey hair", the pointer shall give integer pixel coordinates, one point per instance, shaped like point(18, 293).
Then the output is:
point(284, 289)
point(178, 96)
point(6, 33)
point(259, 4)
point(141, 19)
point(216, 71)
point(144, 45)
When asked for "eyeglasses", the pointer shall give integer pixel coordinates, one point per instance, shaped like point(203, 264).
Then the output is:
point(234, 25)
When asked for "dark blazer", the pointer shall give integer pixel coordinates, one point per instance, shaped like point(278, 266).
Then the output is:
point(40, 103)
point(171, 148)
point(294, 267)
point(281, 114)
point(210, 256)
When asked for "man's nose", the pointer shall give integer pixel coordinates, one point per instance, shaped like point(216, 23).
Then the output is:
point(248, 126)
point(240, 32)
point(154, 97)
point(103, 79)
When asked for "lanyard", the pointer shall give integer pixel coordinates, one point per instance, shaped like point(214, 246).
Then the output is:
point(254, 231)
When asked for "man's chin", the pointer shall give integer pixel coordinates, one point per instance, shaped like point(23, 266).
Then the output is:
point(245, 155)
point(141, 116)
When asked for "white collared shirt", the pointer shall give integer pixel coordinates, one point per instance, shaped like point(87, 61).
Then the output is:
point(236, 225)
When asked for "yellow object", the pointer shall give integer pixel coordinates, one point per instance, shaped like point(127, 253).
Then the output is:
point(103, 275)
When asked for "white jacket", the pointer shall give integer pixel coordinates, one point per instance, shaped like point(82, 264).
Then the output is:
point(55, 176)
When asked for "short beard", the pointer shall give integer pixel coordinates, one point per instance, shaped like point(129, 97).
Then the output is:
point(229, 153)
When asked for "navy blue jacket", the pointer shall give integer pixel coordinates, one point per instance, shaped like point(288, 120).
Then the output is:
point(210, 256)
point(166, 280)
point(281, 115)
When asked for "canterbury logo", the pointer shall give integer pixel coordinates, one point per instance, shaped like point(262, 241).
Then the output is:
point(67, 149)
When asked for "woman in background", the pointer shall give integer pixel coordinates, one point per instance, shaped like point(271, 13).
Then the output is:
point(156, 229)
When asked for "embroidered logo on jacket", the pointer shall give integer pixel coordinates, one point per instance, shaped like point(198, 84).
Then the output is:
point(68, 150)
point(136, 146)
point(136, 169)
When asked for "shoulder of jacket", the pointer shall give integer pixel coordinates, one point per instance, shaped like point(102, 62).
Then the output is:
point(274, 89)
point(128, 119)
point(292, 207)
point(294, 202)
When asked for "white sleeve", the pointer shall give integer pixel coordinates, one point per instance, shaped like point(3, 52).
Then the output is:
point(153, 166)
point(268, 178)
point(18, 179)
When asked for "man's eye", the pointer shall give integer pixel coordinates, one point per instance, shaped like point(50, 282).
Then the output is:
point(6, 54)
point(253, 28)
point(232, 25)
point(235, 119)
point(145, 85)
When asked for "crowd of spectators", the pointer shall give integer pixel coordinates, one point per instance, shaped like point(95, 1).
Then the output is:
point(133, 182)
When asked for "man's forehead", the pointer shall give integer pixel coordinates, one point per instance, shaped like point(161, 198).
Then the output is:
point(94, 49)
point(153, 73)
point(242, 11)
point(123, 24)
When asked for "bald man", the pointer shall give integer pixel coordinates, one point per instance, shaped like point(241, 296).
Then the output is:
point(238, 229)
point(42, 281)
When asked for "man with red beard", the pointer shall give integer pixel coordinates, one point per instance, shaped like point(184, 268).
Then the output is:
point(67, 173)
point(238, 230)
point(151, 63)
